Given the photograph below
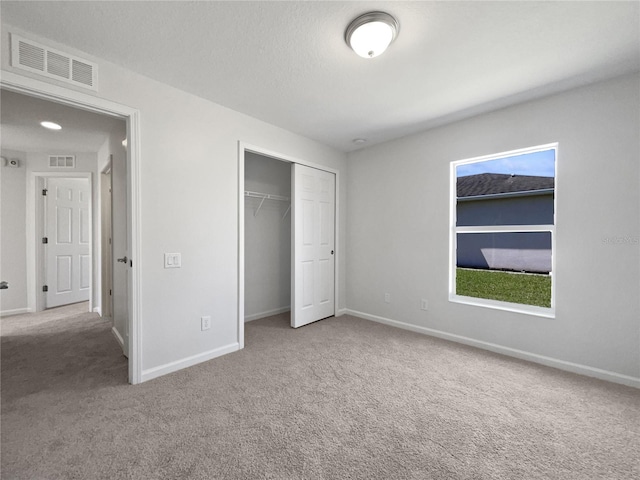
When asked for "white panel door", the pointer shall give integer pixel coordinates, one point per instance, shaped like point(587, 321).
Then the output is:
point(68, 248)
point(121, 237)
point(106, 252)
point(313, 243)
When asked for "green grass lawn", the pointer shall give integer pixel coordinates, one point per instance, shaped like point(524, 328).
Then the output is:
point(504, 286)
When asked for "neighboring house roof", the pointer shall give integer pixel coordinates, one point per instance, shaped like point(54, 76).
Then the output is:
point(501, 184)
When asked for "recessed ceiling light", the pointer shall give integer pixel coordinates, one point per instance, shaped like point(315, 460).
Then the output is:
point(51, 125)
point(370, 34)
point(359, 141)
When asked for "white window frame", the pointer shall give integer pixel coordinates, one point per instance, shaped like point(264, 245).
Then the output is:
point(454, 230)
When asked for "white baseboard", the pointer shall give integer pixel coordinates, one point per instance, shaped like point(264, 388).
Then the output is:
point(341, 311)
point(97, 310)
point(268, 313)
point(511, 352)
point(119, 338)
point(15, 311)
point(187, 362)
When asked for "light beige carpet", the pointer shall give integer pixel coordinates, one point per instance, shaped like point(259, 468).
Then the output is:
point(339, 399)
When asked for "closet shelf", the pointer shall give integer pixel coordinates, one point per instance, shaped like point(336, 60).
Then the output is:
point(267, 196)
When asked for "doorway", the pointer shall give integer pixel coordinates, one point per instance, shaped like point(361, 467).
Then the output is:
point(267, 208)
point(296, 248)
point(130, 214)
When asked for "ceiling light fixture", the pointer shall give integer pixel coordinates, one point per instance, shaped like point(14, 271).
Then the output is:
point(359, 141)
point(370, 34)
point(51, 125)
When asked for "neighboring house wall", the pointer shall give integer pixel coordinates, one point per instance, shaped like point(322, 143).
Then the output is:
point(524, 210)
point(520, 252)
point(398, 217)
point(530, 252)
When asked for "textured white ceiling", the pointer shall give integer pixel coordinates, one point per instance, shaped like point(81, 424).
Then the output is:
point(287, 62)
point(82, 131)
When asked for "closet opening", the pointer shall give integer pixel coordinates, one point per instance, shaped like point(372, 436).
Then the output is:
point(267, 238)
point(287, 237)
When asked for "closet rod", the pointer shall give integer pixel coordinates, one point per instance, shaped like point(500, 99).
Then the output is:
point(267, 196)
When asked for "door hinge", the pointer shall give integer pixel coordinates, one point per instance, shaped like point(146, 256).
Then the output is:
point(45, 240)
point(109, 292)
point(44, 192)
point(45, 288)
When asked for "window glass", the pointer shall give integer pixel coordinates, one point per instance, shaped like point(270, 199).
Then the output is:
point(504, 226)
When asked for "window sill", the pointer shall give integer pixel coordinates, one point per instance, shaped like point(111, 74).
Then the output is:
point(506, 306)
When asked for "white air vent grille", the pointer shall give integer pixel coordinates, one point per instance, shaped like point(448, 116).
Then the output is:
point(31, 56)
point(62, 161)
point(57, 64)
point(82, 72)
point(37, 58)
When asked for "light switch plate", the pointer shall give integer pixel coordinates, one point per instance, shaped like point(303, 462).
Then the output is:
point(172, 260)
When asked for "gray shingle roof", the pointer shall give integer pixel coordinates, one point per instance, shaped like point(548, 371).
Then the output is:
point(496, 183)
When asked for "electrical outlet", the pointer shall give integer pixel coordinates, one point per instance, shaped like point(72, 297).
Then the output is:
point(205, 323)
point(424, 304)
point(387, 298)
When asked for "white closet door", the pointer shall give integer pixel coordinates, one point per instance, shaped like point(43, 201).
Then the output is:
point(313, 243)
point(68, 250)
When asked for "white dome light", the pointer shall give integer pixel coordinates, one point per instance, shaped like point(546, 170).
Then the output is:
point(370, 34)
point(51, 125)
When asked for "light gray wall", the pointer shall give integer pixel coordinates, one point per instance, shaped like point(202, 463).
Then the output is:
point(19, 230)
point(13, 252)
point(189, 205)
point(398, 238)
point(267, 238)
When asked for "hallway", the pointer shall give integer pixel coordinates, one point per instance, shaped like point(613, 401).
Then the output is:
point(64, 349)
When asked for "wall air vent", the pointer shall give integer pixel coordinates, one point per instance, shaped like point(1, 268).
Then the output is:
point(37, 58)
point(62, 161)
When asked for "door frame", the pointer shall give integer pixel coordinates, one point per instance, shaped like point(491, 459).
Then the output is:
point(54, 93)
point(244, 147)
point(36, 180)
